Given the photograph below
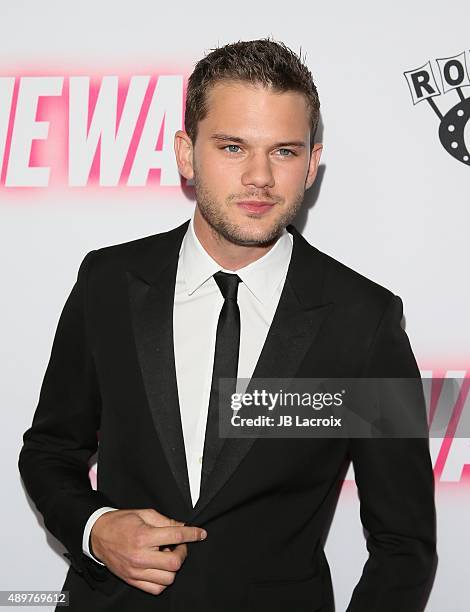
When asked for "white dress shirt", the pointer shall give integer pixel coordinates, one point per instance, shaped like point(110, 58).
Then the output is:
point(197, 304)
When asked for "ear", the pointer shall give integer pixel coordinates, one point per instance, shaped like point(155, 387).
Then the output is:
point(315, 155)
point(184, 154)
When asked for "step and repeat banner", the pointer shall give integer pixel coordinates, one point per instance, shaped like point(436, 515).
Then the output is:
point(90, 98)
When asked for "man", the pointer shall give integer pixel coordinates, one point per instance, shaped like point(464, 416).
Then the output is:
point(182, 519)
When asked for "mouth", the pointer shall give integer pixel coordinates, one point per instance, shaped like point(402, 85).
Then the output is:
point(255, 206)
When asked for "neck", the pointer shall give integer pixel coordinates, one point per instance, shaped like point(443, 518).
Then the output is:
point(227, 254)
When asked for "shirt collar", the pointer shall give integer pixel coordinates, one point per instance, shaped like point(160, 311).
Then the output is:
point(261, 277)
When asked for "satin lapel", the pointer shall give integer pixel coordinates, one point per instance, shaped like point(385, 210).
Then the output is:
point(298, 318)
point(152, 316)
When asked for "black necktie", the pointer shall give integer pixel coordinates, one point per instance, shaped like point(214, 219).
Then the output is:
point(227, 345)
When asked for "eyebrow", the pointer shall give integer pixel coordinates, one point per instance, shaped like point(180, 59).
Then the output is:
point(227, 137)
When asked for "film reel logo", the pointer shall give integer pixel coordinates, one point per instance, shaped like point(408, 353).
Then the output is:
point(453, 124)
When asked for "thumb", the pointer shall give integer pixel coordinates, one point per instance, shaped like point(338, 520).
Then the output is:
point(156, 519)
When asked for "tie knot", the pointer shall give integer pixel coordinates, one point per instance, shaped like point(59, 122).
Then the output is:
point(228, 284)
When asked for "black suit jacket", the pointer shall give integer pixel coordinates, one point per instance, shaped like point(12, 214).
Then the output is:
point(268, 502)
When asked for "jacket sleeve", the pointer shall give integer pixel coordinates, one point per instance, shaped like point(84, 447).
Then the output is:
point(53, 461)
point(395, 483)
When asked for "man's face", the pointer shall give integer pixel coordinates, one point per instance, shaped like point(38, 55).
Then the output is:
point(252, 162)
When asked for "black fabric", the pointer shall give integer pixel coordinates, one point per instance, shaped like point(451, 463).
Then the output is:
point(226, 352)
point(268, 503)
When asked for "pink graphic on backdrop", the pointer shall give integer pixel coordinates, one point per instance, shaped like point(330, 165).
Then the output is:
point(136, 164)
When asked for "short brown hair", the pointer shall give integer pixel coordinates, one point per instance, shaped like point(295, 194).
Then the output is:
point(263, 61)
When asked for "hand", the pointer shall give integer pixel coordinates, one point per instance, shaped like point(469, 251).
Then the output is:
point(143, 547)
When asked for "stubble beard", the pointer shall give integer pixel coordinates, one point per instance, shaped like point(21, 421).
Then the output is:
point(221, 227)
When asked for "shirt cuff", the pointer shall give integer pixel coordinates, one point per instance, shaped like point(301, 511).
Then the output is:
point(87, 531)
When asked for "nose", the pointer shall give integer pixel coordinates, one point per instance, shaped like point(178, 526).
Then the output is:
point(258, 172)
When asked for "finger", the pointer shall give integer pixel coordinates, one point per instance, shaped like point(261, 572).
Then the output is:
point(153, 576)
point(181, 552)
point(178, 535)
point(148, 587)
point(169, 560)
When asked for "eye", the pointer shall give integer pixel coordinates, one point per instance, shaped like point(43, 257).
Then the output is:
point(289, 152)
point(232, 147)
